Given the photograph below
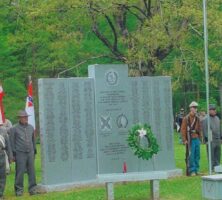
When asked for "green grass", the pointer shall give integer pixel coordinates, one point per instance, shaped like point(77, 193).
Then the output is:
point(183, 188)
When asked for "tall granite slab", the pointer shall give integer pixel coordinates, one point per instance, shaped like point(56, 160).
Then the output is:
point(141, 111)
point(112, 105)
point(152, 104)
point(67, 131)
point(83, 132)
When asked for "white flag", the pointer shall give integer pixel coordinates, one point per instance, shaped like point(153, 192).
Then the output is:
point(29, 107)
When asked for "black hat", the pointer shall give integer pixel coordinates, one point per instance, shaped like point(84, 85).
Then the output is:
point(212, 107)
point(23, 113)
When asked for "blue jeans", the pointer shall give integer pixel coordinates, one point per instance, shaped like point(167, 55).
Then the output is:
point(195, 155)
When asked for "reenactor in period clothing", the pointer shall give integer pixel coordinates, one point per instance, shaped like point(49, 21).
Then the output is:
point(5, 157)
point(7, 125)
point(191, 134)
point(179, 120)
point(23, 145)
point(215, 129)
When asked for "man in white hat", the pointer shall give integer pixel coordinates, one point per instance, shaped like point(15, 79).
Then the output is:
point(191, 135)
point(23, 145)
point(216, 135)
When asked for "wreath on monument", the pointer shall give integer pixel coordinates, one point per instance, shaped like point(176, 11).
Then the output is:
point(139, 134)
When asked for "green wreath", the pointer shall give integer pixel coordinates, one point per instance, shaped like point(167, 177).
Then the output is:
point(138, 132)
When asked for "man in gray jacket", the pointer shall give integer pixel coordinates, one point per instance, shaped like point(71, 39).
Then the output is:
point(5, 157)
point(216, 135)
point(22, 140)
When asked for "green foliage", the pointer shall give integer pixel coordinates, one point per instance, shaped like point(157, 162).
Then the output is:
point(203, 104)
point(14, 99)
point(43, 38)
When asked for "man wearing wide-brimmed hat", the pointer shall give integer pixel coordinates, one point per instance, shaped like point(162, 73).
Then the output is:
point(22, 140)
point(191, 138)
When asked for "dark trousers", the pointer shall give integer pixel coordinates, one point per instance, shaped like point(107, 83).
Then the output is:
point(215, 153)
point(2, 173)
point(24, 163)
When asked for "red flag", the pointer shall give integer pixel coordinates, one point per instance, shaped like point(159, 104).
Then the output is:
point(2, 115)
point(30, 106)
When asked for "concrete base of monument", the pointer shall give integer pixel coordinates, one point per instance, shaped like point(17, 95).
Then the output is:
point(68, 186)
point(174, 173)
point(211, 187)
point(96, 182)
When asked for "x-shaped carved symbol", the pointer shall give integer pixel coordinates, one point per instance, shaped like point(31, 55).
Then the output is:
point(105, 122)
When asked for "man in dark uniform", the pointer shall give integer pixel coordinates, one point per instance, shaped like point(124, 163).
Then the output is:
point(5, 157)
point(179, 120)
point(22, 140)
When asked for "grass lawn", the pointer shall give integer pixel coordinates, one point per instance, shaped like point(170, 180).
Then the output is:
point(184, 188)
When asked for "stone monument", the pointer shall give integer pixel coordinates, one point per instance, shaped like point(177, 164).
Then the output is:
point(84, 124)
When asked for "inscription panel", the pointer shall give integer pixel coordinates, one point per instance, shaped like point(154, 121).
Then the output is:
point(113, 118)
point(67, 127)
point(54, 129)
point(83, 136)
point(152, 104)
point(141, 102)
point(163, 122)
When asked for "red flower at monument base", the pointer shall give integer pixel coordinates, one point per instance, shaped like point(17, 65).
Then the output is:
point(124, 167)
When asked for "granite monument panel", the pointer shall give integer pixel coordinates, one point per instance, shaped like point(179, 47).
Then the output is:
point(83, 133)
point(112, 117)
point(67, 130)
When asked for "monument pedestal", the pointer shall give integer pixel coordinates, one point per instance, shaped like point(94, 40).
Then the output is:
point(211, 187)
point(153, 177)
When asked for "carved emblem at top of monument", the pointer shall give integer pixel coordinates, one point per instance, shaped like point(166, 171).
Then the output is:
point(121, 121)
point(112, 77)
point(105, 123)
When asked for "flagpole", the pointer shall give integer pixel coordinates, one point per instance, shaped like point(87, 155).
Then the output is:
point(2, 114)
point(207, 80)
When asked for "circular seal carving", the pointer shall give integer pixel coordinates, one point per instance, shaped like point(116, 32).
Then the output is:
point(112, 77)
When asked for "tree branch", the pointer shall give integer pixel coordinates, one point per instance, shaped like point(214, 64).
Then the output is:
point(147, 4)
point(114, 32)
point(137, 16)
point(113, 47)
point(162, 53)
